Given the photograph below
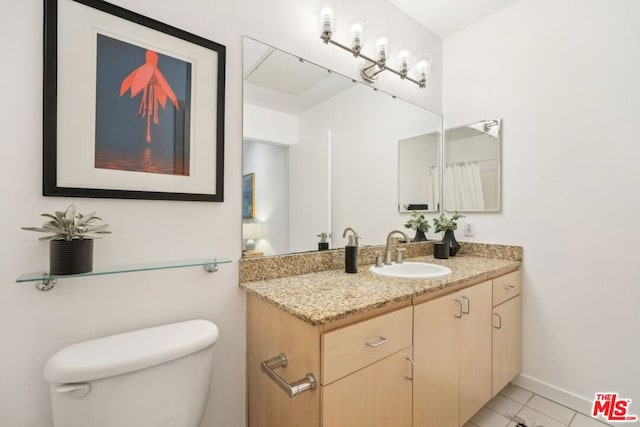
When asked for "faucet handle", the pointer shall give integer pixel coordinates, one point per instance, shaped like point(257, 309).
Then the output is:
point(399, 254)
point(378, 259)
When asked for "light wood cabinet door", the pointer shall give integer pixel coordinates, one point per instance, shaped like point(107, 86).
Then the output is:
point(475, 349)
point(376, 396)
point(507, 342)
point(435, 341)
point(271, 331)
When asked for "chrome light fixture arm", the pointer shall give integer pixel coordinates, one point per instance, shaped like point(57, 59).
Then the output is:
point(368, 71)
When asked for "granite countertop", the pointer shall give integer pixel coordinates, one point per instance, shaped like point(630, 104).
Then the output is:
point(326, 296)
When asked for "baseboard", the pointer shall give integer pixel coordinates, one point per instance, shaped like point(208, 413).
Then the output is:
point(554, 393)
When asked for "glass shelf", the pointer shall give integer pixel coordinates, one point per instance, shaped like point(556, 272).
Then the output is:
point(47, 281)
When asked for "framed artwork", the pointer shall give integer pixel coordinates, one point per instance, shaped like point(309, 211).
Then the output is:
point(249, 196)
point(133, 107)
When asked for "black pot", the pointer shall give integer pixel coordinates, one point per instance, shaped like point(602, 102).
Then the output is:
point(70, 256)
point(420, 237)
point(450, 240)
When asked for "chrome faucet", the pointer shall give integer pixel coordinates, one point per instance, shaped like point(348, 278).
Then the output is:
point(353, 239)
point(387, 257)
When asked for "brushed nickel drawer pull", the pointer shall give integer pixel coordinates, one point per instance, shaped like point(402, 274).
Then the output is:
point(295, 388)
point(500, 319)
point(508, 288)
point(413, 366)
point(460, 315)
point(381, 341)
point(468, 305)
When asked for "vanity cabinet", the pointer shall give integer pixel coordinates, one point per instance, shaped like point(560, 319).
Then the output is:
point(430, 361)
point(507, 323)
point(452, 350)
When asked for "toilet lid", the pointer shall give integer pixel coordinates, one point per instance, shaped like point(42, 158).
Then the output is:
point(130, 351)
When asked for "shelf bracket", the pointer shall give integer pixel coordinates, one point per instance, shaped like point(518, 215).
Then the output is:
point(211, 268)
point(46, 285)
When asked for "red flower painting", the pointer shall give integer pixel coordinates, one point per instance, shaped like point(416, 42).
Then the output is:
point(154, 87)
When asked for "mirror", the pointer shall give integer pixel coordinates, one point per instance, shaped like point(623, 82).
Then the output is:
point(419, 173)
point(322, 152)
point(471, 179)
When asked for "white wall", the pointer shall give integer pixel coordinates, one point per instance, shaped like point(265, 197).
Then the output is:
point(416, 158)
point(365, 129)
point(270, 163)
point(34, 325)
point(564, 77)
point(264, 124)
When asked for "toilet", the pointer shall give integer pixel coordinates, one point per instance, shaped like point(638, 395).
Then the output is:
point(155, 377)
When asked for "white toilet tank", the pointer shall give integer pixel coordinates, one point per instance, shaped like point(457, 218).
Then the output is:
point(155, 377)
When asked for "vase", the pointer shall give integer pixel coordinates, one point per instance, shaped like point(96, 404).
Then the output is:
point(450, 240)
point(420, 236)
point(70, 256)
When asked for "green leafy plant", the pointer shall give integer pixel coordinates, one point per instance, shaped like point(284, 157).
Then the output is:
point(70, 225)
point(443, 223)
point(417, 222)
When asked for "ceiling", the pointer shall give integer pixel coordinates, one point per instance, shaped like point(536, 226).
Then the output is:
point(279, 81)
point(445, 17)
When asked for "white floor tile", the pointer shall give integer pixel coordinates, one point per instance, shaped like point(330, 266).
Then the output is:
point(504, 405)
point(469, 424)
point(534, 418)
point(551, 409)
point(487, 418)
point(583, 421)
point(516, 393)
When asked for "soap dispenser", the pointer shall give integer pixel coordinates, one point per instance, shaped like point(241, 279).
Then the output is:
point(323, 244)
point(351, 251)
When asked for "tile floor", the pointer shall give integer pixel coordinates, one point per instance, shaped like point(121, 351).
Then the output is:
point(535, 410)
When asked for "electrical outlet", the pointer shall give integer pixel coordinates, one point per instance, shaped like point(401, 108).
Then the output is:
point(469, 229)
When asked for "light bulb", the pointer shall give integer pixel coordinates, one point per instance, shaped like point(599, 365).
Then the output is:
point(357, 31)
point(326, 23)
point(423, 66)
point(382, 48)
point(403, 59)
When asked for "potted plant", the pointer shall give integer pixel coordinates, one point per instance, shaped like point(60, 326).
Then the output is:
point(71, 240)
point(448, 226)
point(418, 223)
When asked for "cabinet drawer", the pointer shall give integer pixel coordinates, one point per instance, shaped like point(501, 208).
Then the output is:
point(506, 287)
point(355, 346)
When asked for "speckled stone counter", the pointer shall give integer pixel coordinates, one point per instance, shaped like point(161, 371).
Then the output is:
point(323, 297)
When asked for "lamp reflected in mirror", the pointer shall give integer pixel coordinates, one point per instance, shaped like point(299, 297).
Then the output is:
point(251, 232)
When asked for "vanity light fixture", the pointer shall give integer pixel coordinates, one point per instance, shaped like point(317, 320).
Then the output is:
point(371, 68)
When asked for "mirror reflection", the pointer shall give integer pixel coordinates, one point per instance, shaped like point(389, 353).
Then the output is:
point(419, 173)
point(323, 153)
point(472, 153)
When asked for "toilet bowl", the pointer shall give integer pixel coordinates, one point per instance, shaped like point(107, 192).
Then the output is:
point(155, 377)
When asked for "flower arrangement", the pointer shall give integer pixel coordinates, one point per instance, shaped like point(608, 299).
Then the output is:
point(443, 223)
point(417, 222)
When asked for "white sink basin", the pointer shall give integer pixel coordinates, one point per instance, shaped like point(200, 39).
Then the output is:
point(412, 270)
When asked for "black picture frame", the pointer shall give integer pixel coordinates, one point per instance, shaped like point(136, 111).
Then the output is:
point(54, 120)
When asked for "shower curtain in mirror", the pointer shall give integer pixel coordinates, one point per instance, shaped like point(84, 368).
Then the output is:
point(433, 188)
point(463, 187)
